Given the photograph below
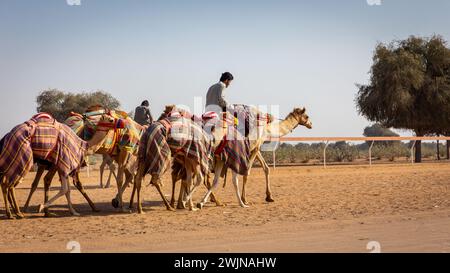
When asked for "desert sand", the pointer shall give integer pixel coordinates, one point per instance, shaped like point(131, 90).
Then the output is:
point(403, 207)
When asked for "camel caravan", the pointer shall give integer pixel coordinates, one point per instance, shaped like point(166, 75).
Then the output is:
point(197, 149)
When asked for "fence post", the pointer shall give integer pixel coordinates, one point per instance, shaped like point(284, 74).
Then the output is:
point(370, 153)
point(412, 151)
point(325, 154)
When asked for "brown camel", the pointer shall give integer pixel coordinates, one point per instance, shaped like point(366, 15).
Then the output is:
point(273, 130)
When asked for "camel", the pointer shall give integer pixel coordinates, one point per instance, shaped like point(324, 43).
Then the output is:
point(106, 122)
point(216, 131)
point(257, 137)
point(80, 125)
point(181, 139)
point(275, 129)
point(41, 137)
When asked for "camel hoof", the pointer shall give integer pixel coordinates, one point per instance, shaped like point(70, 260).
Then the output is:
point(244, 206)
point(269, 199)
point(41, 208)
point(170, 209)
point(115, 203)
point(10, 217)
point(49, 214)
point(200, 205)
point(20, 216)
point(141, 212)
point(74, 213)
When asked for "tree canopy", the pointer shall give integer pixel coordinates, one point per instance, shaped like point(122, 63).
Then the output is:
point(409, 86)
point(60, 104)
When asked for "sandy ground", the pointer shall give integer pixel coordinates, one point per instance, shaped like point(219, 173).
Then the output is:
point(404, 208)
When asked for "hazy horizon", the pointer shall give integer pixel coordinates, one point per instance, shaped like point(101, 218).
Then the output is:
point(286, 53)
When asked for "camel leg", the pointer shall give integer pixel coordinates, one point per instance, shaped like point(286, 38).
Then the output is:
point(34, 186)
point(133, 193)
point(47, 184)
point(102, 170)
point(117, 201)
point(213, 198)
point(5, 193)
point(79, 186)
point(174, 184)
point(236, 188)
point(267, 173)
point(166, 202)
point(217, 172)
point(112, 172)
point(137, 186)
point(128, 178)
point(69, 201)
point(245, 179)
point(65, 187)
point(190, 187)
point(14, 204)
point(182, 195)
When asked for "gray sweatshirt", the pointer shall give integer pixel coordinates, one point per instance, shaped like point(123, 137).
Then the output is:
point(216, 96)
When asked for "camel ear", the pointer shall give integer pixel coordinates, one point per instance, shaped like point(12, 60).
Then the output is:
point(303, 110)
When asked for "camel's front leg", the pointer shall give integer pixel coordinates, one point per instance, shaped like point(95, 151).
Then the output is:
point(217, 171)
point(119, 197)
point(117, 201)
point(79, 186)
point(102, 170)
point(34, 186)
point(267, 173)
point(112, 172)
point(182, 196)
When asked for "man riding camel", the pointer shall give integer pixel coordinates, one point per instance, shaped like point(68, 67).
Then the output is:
point(215, 98)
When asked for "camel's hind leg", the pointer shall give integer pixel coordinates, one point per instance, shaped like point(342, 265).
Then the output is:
point(213, 197)
point(65, 190)
point(245, 178)
point(157, 184)
point(267, 173)
point(137, 188)
point(5, 193)
point(102, 171)
point(14, 203)
point(34, 186)
point(174, 184)
point(217, 171)
point(236, 188)
point(79, 186)
point(191, 185)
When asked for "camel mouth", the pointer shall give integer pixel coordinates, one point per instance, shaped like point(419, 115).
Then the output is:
point(309, 126)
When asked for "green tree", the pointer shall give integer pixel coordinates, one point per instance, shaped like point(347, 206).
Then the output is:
point(409, 87)
point(377, 130)
point(60, 104)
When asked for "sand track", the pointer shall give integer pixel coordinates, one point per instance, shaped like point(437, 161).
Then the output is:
point(341, 208)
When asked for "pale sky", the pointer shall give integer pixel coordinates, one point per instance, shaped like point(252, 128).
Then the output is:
point(286, 53)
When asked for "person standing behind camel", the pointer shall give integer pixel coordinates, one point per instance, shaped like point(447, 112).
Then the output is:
point(142, 114)
point(215, 98)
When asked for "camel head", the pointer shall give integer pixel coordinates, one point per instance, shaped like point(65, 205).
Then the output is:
point(299, 114)
point(106, 125)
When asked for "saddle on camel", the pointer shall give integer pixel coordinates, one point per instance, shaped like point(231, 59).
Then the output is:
point(40, 138)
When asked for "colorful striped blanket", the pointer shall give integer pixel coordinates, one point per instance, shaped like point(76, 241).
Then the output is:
point(175, 137)
point(234, 151)
point(154, 152)
point(44, 139)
